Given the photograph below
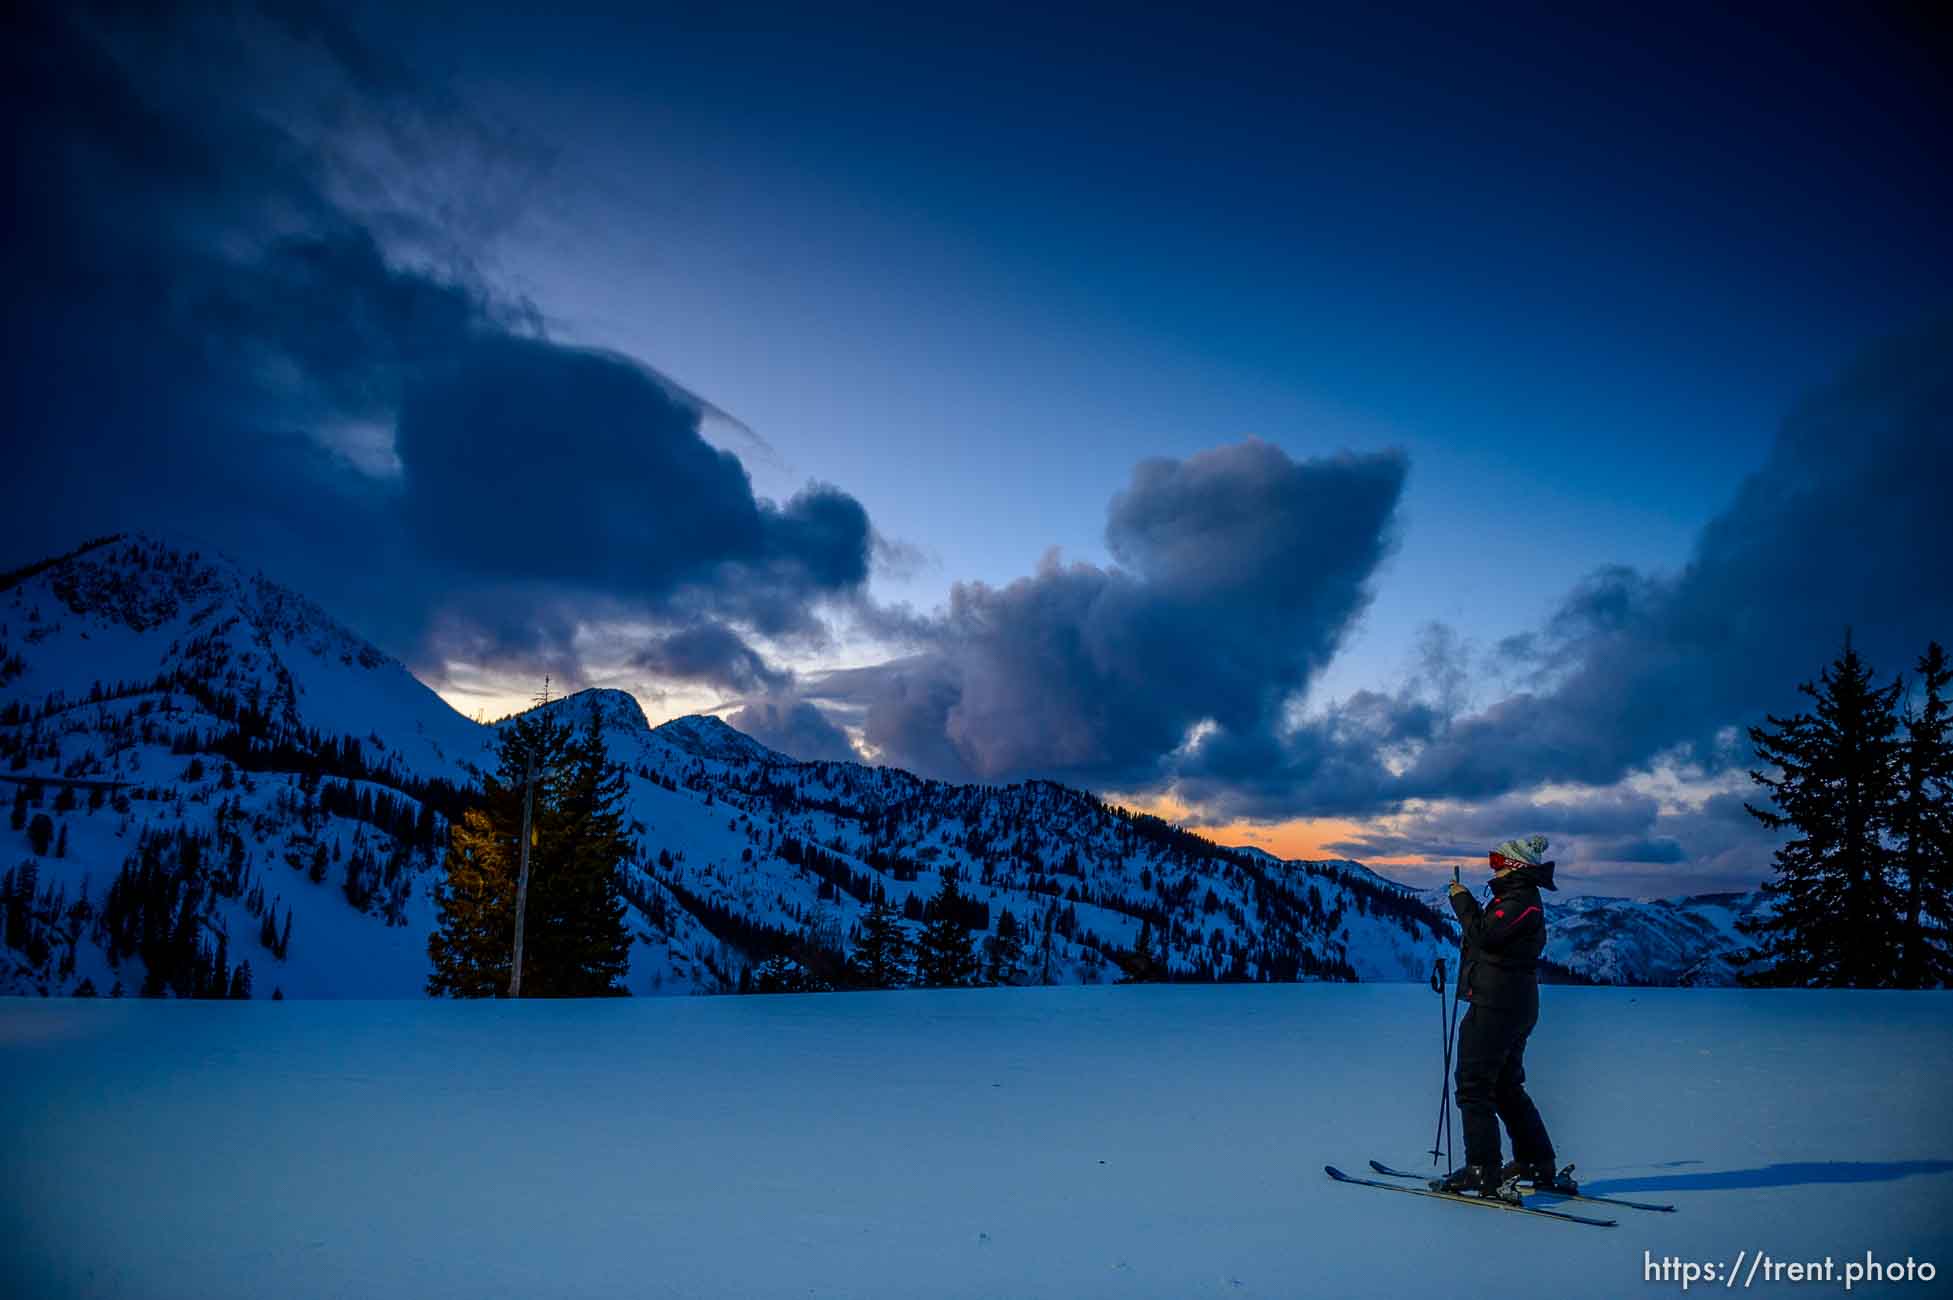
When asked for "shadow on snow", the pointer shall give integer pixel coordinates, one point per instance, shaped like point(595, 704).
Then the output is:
point(1781, 1175)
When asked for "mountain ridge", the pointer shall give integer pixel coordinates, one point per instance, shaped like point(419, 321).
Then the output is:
point(211, 713)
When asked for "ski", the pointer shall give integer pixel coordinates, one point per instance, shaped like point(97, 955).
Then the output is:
point(1388, 1172)
point(1492, 1204)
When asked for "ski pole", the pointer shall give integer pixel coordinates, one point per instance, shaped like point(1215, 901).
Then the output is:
point(1444, 1094)
point(1448, 1026)
point(1450, 1054)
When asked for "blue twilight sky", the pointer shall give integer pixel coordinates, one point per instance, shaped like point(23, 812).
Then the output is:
point(972, 268)
point(1420, 402)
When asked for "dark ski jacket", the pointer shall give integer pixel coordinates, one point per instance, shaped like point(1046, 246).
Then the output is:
point(1499, 953)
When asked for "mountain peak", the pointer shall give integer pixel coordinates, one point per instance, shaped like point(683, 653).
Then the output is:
point(704, 736)
point(618, 709)
point(137, 580)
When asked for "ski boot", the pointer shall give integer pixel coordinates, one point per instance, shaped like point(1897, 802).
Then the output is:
point(1541, 1176)
point(1479, 1180)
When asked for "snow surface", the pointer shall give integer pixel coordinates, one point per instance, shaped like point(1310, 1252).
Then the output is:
point(1060, 1142)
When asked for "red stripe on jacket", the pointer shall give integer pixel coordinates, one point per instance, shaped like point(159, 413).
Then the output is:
point(1514, 923)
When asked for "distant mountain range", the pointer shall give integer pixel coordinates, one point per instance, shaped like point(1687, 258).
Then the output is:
point(200, 761)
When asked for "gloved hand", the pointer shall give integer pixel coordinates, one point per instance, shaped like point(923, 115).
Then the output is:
point(1454, 889)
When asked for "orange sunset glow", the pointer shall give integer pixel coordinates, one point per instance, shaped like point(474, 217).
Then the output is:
point(1305, 838)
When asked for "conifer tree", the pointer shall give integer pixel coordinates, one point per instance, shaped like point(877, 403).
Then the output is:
point(581, 945)
point(1142, 965)
point(1044, 946)
point(943, 956)
point(575, 942)
point(781, 974)
point(1835, 924)
point(220, 974)
point(471, 946)
point(881, 956)
point(472, 943)
point(1922, 829)
point(1004, 951)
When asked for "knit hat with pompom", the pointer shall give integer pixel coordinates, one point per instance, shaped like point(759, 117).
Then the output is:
point(1530, 851)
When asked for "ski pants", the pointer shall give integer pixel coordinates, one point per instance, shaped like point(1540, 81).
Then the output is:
point(1492, 1086)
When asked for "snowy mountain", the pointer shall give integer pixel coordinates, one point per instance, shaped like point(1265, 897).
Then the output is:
point(204, 768)
point(1687, 941)
point(140, 618)
point(704, 736)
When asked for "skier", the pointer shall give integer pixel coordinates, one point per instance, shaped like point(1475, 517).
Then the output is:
point(1498, 974)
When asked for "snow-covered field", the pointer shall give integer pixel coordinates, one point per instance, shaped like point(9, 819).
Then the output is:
point(1061, 1142)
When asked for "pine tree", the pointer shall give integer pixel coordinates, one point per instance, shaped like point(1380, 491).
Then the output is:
point(1835, 924)
point(1142, 965)
point(881, 956)
point(943, 956)
point(472, 943)
point(575, 942)
point(219, 985)
point(780, 974)
point(581, 945)
point(1922, 828)
point(1004, 950)
point(181, 973)
point(471, 946)
point(1044, 945)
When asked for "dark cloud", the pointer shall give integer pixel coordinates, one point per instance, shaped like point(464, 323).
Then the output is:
point(794, 727)
point(1338, 761)
point(709, 653)
point(1661, 849)
point(245, 307)
point(1239, 571)
point(523, 459)
point(1612, 840)
point(1845, 526)
point(1469, 831)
